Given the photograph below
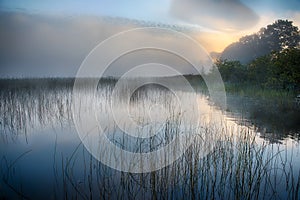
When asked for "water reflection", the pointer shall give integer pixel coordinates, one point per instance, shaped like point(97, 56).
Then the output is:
point(275, 121)
point(43, 157)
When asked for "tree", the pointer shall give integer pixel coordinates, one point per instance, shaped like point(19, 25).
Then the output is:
point(280, 35)
point(275, 37)
point(231, 71)
point(279, 70)
point(285, 70)
point(259, 70)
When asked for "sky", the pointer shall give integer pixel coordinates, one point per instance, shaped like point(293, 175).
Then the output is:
point(52, 38)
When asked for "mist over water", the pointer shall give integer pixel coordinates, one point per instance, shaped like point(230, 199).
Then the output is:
point(231, 155)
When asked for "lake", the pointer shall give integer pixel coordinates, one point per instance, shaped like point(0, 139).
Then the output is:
point(249, 150)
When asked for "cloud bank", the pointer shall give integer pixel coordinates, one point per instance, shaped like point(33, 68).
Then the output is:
point(224, 15)
point(48, 45)
point(35, 45)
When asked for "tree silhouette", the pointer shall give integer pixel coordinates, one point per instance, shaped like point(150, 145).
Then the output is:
point(275, 37)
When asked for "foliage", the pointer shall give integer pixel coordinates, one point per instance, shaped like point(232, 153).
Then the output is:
point(231, 71)
point(275, 37)
point(259, 70)
point(277, 70)
point(285, 70)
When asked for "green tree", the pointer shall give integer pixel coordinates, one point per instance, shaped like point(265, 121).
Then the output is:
point(258, 70)
point(285, 70)
point(231, 71)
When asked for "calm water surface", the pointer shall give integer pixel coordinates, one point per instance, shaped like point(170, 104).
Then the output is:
point(237, 153)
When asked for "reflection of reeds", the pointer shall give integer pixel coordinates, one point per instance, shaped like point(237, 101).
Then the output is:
point(237, 167)
point(7, 174)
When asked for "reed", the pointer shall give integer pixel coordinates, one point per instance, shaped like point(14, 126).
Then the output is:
point(225, 160)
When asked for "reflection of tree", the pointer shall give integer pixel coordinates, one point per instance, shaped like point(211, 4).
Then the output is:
point(236, 167)
point(275, 122)
point(275, 37)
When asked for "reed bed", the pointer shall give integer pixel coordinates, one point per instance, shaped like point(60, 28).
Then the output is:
point(225, 160)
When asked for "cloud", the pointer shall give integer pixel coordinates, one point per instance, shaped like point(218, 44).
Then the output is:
point(295, 17)
point(224, 15)
point(38, 45)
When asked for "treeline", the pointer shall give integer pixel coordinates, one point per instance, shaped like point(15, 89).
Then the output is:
point(277, 70)
point(280, 35)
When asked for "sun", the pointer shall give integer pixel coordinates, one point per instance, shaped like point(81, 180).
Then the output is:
point(216, 41)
